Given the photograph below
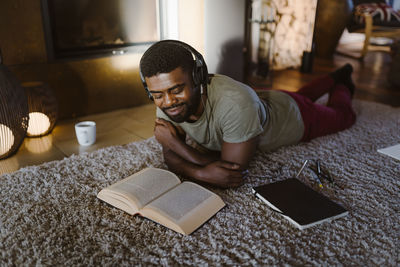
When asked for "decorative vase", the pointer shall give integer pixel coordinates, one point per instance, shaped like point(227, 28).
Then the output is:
point(331, 20)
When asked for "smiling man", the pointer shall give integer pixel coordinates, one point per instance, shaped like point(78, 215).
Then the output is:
point(226, 119)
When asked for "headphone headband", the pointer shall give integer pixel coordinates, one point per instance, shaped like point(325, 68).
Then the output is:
point(199, 72)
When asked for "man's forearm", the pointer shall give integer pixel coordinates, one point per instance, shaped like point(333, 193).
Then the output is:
point(171, 138)
point(190, 154)
point(222, 174)
point(206, 167)
point(179, 165)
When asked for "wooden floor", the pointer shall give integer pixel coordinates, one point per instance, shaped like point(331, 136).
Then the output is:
point(369, 76)
point(134, 124)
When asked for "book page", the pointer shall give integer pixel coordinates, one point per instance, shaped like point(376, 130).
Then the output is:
point(392, 151)
point(140, 188)
point(184, 208)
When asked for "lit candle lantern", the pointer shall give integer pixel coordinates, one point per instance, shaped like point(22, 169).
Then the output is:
point(7, 139)
point(13, 113)
point(39, 124)
point(43, 108)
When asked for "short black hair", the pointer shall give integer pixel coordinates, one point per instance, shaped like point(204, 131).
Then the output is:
point(164, 57)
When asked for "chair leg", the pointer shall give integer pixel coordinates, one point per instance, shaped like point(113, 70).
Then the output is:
point(368, 33)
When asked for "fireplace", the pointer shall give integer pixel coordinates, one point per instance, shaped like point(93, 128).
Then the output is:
point(93, 28)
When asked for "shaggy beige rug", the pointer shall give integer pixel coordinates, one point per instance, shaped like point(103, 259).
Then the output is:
point(49, 214)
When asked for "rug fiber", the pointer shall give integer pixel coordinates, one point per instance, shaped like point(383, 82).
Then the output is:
point(49, 214)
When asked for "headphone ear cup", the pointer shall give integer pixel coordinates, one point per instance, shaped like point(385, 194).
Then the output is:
point(200, 73)
point(196, 75)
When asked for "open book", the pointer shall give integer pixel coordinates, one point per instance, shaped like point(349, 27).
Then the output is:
point(160, 196)
point(298, 203)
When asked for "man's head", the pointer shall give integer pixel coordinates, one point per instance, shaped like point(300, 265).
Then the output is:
point(172, 73)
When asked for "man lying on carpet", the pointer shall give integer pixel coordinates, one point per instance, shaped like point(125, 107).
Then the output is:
point(228, 119)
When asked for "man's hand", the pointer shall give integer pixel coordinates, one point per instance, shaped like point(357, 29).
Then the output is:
point(166, 133)
point(222, 174)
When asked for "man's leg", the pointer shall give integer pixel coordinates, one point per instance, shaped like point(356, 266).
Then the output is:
point(322, 120)
point(317, 87)
point(338, 115)
point(320, 86)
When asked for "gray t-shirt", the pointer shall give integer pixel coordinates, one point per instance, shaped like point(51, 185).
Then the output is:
point(234, 114)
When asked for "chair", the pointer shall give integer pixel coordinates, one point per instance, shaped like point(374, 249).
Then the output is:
point(373, 19)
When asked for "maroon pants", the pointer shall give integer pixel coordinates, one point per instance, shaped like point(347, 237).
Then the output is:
point(321, 120)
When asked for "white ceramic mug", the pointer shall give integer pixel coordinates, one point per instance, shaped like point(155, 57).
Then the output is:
point(86, 132)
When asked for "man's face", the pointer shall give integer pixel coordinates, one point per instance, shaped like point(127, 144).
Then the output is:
point(173, 92)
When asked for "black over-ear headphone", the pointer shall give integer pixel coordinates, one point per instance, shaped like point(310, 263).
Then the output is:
point(199, 72)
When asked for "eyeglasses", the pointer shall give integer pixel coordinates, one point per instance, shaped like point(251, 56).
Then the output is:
point(318, 173)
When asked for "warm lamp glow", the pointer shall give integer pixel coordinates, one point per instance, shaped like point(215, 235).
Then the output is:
point(6, 139)
point(39, 145)
point(39, 123)
point(126, 62)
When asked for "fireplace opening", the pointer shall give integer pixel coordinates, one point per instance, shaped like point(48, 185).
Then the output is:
point(95, 28)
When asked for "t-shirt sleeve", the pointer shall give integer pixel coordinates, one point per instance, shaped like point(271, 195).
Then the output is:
point(241, 122)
